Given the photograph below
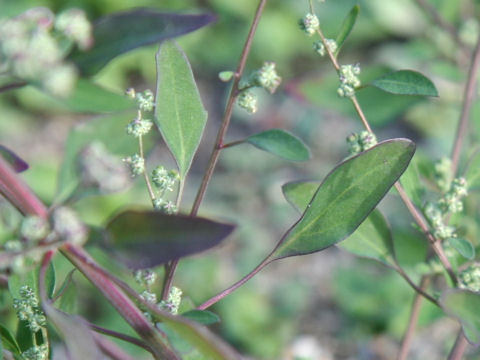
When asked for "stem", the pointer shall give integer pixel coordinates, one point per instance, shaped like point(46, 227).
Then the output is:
point(83, 262)
point(220, 135)
point(233, 143)
point(412, 322)
point(228, 110)
point(12, 86)
point(469, 96)
point(145, 173)
point(439, 20)
point(419, 289)
point(47, 258)
point(459, 347)
point(235, 286)
point(19, 194)
point(119, 335)
point(436, 245)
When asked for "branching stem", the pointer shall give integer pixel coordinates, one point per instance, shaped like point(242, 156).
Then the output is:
point(220, 135)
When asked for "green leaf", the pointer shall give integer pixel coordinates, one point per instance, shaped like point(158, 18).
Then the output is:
point(144, 239)
point(203, 317)
point(463, 246)
point(281, 143)
point(464, 305)
point(380, 106)
point(119, 33)
point(89, 97)
point(406, 82)
point(373, 238)
point(346, 197)
point(299, 194)
point(8, 340)
point(179, 111)
point(347, 27)
point(200, 339)
point(410, 181)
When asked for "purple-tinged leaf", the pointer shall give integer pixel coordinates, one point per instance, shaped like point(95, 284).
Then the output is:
point(76, 334)
point(144, 239)
point(121, 32)
point(13, 159)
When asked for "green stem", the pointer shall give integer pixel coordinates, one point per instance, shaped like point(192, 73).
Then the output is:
point(145, 172)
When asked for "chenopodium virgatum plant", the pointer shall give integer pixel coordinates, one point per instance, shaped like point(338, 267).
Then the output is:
point(339, 210)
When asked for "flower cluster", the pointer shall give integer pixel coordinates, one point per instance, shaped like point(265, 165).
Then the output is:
point(102, 170)
point(435, 217)
point(309, 24)
point(68, 227)
point(349, 81)
point(361, 142)
point(136, 164)
point(165, 181)
point(173, 301)
point(145, 277)
point(27, 309)
point(266, 77)
point(451, 202)
point(443, 173)
point(320, 49)
point(34, 228)
point(32, 47)
point(36, 353)
point(248, 101)
point(470, 278)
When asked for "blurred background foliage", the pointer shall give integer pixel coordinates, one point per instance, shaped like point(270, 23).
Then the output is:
point(324, 306)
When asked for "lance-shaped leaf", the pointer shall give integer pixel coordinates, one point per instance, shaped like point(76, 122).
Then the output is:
point(13, 159)
point(373, 238)
point(179, 112)
point(118, 33)
point(346, 197)
point(464, 305)
point(144, 239)
point(347, 27)
point(281, 143)
point(406, 82)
